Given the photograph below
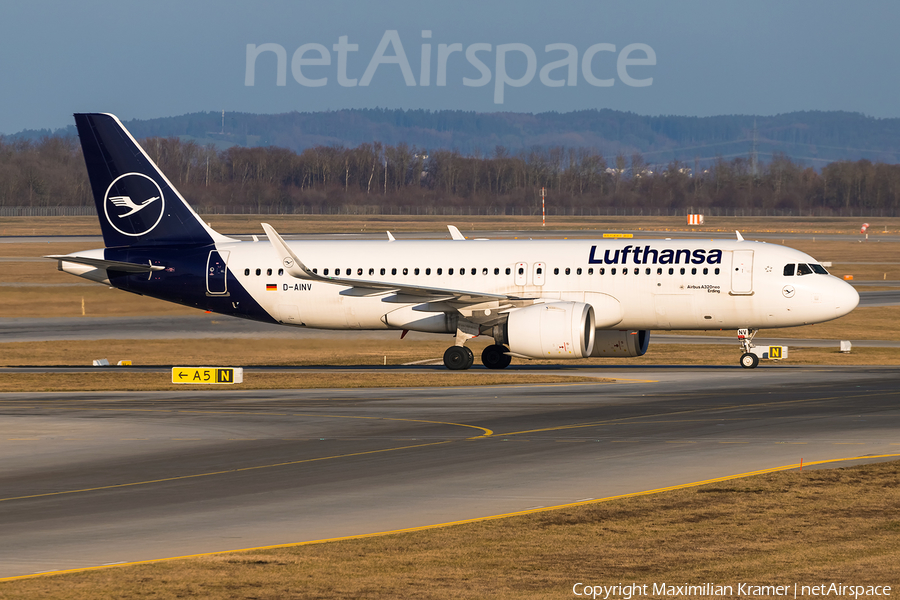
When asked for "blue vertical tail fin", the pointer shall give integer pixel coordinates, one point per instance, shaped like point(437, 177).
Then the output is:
point(137, 205)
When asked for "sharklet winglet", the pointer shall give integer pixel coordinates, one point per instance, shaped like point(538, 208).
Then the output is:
point(292, 264)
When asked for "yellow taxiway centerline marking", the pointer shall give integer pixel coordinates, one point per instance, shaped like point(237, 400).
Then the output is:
point(223, 472)
point(486, 432)
point(683, 412)
point(463, 521)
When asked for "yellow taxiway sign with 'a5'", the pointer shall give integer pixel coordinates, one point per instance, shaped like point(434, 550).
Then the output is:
point(208, 375)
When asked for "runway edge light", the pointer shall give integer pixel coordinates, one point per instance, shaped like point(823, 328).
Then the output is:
point(208, 375)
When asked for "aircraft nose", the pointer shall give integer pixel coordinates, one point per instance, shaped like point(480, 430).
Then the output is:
point(845, 298)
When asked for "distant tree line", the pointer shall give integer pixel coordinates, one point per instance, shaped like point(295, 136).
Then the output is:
point(50, 172)
point(817, 137)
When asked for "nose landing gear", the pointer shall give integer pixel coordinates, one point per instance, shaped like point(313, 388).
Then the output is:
point(749, 360)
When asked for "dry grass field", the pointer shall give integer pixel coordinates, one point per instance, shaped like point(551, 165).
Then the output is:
point(299, 224)
point(325, 353)
point(809, 528)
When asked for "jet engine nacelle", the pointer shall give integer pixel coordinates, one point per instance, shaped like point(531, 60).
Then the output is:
point(552, 330)
point(617, 342)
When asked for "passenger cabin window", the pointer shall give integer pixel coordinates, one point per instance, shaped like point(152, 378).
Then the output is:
point(496, 271)
point(394, 271)
point(803, 269)
point(280, 272)
point(371, 271)
point(382, 271)
point(540, 271)
point(474, 270)
point(508, 271)
point(268, 271)
point(578, 271)
point(568, 271)
point(789, 270)
point(325, 272)
point(428, 271)
point(555, 271)
point(258, 271)
point(450, 271)
point(246, 271)
point(440, 271)
point(359, 271)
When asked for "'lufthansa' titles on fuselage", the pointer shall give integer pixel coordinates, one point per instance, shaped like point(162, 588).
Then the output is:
point(648, 255)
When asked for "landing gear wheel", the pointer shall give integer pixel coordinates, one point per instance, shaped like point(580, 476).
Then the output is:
point(458, 358)
point(749, 360)
point(494, 357)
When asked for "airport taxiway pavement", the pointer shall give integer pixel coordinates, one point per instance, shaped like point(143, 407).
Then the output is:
point(94, 478)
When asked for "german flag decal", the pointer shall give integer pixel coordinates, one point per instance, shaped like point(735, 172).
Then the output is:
point(271, 287)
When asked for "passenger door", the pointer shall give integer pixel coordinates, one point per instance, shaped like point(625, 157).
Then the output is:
point(521, 273)
point(539, 273)
point(217, 274)
point(742, 272)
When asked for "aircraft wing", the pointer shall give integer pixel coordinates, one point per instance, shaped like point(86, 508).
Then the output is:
point(294, 266)
point(114, 265)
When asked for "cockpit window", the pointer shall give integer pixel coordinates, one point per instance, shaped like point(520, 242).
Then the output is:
point(819, 269)
point(803, 269)
point(789, 270)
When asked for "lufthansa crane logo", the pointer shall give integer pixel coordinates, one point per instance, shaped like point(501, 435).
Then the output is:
point(134, 204)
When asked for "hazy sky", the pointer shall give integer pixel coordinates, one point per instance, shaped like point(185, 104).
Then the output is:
point(694, 57)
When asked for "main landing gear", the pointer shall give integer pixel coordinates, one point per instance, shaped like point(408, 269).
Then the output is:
point(460, 358)
point(495, 357)
point(749, 360)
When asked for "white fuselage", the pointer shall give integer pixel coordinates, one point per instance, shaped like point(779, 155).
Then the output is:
point(666, 284)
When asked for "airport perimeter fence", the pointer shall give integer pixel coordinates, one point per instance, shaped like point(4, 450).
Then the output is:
point(456, 211)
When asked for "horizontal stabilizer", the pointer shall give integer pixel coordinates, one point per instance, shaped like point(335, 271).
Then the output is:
point(111, 265)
